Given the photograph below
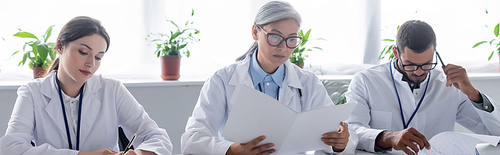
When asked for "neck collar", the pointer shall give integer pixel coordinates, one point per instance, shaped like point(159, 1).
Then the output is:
point(405, 77)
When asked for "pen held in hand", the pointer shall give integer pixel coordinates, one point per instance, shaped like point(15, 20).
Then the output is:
point(442, 63)
point(130, 144)
point(441, 60)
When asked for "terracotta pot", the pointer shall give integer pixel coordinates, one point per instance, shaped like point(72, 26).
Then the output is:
point(38, 72)
point(170, 67)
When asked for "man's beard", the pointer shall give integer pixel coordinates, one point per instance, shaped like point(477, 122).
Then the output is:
point(417, 79)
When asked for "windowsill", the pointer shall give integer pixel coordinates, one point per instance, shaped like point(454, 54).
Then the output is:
point(126, 82)
point(4, 85)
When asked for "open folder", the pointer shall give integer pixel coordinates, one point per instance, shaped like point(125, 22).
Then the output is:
point(255, 114)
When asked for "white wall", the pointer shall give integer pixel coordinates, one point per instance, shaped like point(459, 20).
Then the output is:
point(169, 106)
point(171, 103)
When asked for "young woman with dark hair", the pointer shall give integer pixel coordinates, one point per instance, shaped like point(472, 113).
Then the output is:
point(73, 111)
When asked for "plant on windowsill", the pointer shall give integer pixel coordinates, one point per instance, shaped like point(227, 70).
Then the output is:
point(41, 54)
point(495, 43)
point(336, 90)
point(387, 51)
point(172, 45)
point(298, 55)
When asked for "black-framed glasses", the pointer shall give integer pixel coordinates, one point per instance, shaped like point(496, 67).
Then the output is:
point(424, 67)
point(274, 40)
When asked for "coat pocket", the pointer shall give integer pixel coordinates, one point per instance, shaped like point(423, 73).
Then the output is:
point(381, 119)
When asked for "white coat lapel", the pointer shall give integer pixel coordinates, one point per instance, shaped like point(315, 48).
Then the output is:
point(54, 109)
point(90, 107)
point(241, 75)
point(291, 82)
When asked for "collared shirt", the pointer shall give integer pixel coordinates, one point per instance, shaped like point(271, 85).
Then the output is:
point(411, 84)
point(71, 106)
point(264, 82)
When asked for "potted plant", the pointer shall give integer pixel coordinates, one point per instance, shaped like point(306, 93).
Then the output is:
point(495, 43)
point(336, 90)
point(388, 48)
point(298, 55)
point(41, 54)
point(172, 45)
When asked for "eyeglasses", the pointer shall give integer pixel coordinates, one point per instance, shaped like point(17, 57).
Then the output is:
point(275, 40)
point(424, 67)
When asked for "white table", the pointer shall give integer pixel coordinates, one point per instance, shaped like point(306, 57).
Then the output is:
point(482, 148)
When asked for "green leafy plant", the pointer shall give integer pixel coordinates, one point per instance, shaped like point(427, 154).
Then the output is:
point(339, 98)
point(41, 53)
point(298, 55)
point(387, 51)
point(175, 42)
point(336, 90)
point(493, 42)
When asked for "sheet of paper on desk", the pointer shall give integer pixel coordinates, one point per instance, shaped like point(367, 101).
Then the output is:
point(458, 143)
point(255, 113)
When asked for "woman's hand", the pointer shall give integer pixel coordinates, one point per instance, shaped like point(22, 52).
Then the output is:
point(251, 148)
point(338, 140)
point(100, 152)
point(137, 152)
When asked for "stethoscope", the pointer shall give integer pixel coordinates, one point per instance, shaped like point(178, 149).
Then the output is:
point(405, 125)
point(66, 119)
point(278, 93)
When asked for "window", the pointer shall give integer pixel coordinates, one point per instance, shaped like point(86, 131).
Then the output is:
point(123, 20)
point(458, 26)
point(336, 21)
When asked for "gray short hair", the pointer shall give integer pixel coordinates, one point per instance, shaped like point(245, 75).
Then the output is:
point(272, 12)
point(276, 11)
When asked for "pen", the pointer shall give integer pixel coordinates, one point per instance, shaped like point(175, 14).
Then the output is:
point(130, 144)
point(441, 60)
point(442, 63)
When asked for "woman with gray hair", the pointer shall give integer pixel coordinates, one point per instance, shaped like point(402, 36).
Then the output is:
point(266, 68)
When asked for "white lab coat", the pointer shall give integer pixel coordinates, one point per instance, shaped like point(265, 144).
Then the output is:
point(205, 126)
point(377, 106)
point(107, 104)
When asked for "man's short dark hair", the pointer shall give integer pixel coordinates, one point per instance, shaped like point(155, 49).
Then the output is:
point(416, 35)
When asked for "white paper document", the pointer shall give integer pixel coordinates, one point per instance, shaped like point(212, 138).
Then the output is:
point(458, 143)
point(255, 114)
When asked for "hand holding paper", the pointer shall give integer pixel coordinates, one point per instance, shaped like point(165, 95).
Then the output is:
point(255, 114)
point(338, 140)
point(251, 147)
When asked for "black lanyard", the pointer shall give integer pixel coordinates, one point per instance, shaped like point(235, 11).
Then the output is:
point(277, 95)
point(405, 125)
point(66, 119)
